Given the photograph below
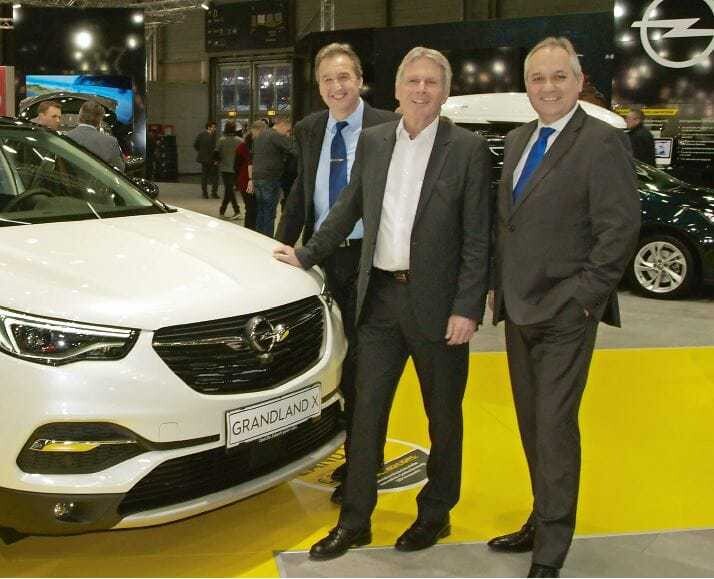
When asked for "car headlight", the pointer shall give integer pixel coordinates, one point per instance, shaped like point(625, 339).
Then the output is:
point(55, 342)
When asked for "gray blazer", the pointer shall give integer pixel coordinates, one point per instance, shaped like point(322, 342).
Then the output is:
point(104, 146)
point(300, 206)
point(450, 236)
point(573, 231)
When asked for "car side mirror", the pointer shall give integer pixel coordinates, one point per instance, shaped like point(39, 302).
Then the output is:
point(149, 188)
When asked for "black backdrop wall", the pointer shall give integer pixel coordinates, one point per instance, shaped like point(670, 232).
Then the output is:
point(470, 46)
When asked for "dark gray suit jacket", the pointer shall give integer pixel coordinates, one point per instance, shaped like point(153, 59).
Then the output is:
point(102, 145)
point(573, 230)
point(450, 237)
point(308, 134)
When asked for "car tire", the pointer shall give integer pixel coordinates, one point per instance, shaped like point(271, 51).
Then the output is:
point(663, 267)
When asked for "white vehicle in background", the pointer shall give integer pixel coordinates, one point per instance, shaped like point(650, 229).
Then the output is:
point(509, 108)
point(156, 363)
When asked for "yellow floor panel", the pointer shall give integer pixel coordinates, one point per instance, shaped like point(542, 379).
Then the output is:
point(647, 447)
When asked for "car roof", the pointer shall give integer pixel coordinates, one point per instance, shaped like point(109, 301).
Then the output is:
point(510, 107)
point(107, 103)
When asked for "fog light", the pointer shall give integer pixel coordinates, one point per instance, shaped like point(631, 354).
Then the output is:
point(64, 511)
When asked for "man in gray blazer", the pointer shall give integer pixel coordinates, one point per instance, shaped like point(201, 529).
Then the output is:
point(338, 72)
point(87, 134)
point(420, 186)
point(568, 220)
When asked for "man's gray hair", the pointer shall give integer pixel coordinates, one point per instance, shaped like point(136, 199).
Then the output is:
point(555, 42)
point(91, 113)
point(434, 55)
point(338, 49)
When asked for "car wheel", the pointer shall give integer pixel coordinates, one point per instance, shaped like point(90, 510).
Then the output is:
point(663, 267)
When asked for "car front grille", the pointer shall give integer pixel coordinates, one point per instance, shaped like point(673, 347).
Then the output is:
point(217, 357)
point(189, 477)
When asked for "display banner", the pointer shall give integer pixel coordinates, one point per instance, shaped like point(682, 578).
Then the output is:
point(249, 25)
point(664, 56)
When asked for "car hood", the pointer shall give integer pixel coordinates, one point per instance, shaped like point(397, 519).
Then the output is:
point(144, 272)
point(686, 194)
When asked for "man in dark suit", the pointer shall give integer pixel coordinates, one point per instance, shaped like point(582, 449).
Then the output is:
point(205, 145)
point(339, 77)
point(420, 186)
point(87, 134)
point(641, 139)
point(568, 220)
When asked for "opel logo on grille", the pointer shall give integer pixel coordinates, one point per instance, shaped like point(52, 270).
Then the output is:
point(262, 335)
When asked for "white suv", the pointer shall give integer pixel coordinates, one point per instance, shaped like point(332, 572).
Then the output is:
point(155, 363)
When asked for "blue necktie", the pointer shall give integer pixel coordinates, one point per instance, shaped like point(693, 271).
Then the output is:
point(338, 163)
point(534, 158)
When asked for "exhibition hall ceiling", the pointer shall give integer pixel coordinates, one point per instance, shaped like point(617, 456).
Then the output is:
point(154, 10)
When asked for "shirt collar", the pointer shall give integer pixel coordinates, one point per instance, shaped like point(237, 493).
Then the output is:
point(428, 132)
point(353, 121)
point(559, 125)
point(86, 125)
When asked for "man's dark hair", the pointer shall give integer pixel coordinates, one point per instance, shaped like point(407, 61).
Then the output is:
point(91, 113)
point(338, 49)
point(44, 105)
point(229, 128)
point(210, 124)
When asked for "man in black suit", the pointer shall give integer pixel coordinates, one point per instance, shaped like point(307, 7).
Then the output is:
point(568, 220)
point(338, 73)
point(641, 139)
point(205, 145)
point(420, 185)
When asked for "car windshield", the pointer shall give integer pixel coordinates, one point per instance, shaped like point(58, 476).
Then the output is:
point(45, 178)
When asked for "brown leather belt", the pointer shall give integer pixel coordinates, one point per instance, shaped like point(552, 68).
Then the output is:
point(400, 276)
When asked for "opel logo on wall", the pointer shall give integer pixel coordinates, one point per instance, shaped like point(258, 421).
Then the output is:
point(262, 336)
point(678, 28)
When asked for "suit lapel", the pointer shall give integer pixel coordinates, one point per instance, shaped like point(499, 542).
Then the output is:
point(562, 145)
point(376, 182)
point(512, 155)
point(437, 158)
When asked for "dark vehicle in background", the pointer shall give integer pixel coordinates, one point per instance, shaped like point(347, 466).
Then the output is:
point(71, 103)
point(675, 251)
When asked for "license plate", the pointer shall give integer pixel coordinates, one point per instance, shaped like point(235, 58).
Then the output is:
point(268, 418)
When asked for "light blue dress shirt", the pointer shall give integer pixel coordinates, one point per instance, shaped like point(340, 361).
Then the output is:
point(322, 180)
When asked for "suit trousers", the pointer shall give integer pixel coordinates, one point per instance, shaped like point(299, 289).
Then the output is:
point(388, 333)
point(341, 270)
point(548, 364)
point(209, 174)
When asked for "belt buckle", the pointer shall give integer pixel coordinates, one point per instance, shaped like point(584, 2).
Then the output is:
point(401, 276)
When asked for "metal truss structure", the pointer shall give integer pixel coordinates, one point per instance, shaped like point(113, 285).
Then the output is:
point(155, 11)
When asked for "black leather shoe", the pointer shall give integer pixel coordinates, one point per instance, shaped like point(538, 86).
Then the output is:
point(338, 494)
point(338, 541)
point(423, 534)
point(518, 542)
point(340, 473)
point(543, 571)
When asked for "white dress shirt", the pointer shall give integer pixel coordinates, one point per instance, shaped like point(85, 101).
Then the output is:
point(558, 125)
point(322, 179)
point(401, 196)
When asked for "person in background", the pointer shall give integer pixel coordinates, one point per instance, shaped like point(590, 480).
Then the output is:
point(49, 115)
point(226, 153)
point(568, 218)
point(87, 134)
point(338, 72)
point(244, 170)
point(269, 150)
point(641, 139)
point(205, 145)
